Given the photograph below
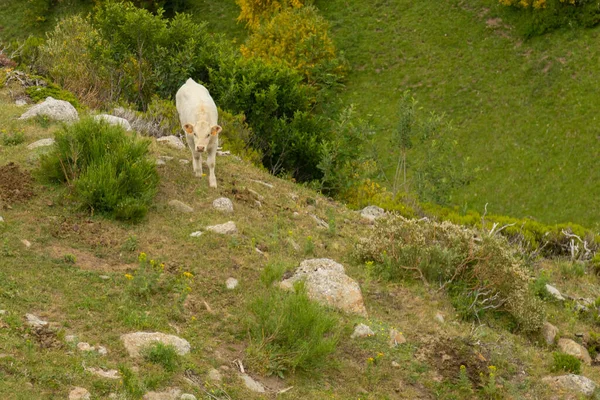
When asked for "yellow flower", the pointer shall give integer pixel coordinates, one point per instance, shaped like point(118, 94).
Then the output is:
point(193, 318)
point(129, 276)
point(188, 274)
point(188, 289)
point(142, 257)
point(379, 354)
point(152, 262)
point(370, 360)
point(162, 265)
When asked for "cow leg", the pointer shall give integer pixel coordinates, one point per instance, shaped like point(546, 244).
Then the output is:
point(212, 179)
point(197, 161)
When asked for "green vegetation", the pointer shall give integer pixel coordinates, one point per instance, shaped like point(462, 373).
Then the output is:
point(562, 362)
point(104, 168)
point(164, 355)
point(13, 138)
point(39, 93)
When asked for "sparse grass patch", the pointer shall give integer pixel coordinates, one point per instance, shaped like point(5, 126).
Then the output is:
point(13, 138)
point(164, 355)
point(273, 272)
point(289, 333)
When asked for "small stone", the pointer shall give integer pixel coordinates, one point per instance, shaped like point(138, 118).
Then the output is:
point(112, 120)
point(183, 161)
point(27, 243)
point(372, 213)
point(181, 206)
point(83, 346)
point(362, 331)
point(171, 394)
point(70, 338)
point(227, 228)
point(160, 162)
point(571, 382)
point(1, 219)
point(79, 393)
point(104, 277)
point(41, 143)
point(187, 396)
point(256, 194)
point(295, 214)
point(103, 373)
point(549, 333)
point(251, 384)
point(214, 375)
point(231, 283)
point(102, 350)
point(35, 322)
point(196, 234)
point(396, 338)
point(258, 203)
point(320, 222)
point(135, 342)
point(395, 364)
point(2, 312)
point(166, 158)
point(554, 292)
point(575, 349)
point(263, 183)
point(20, 102)
point(439, 317)
point(223, 153)
point(223, 204)
point(172, 141)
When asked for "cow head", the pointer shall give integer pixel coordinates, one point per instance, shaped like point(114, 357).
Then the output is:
point(202, 133)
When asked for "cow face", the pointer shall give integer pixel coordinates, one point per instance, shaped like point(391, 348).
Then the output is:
point(202, 133)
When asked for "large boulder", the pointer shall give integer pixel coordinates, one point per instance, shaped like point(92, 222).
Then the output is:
point(228, 228)
point(172, 141)
point(574, 384)
point(137, 341)
point(112, 120)
point(372, 213)
point(59, 110)
point(549, 332)
point(575, 349)
point(327, 283)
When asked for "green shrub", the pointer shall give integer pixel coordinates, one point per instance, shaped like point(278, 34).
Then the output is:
point(289, 333)
point(39, 93)
point(105, 167)
point(562, 362)
point(238, 138)
point(482, 272)
point(162, 354)
point(14, 138)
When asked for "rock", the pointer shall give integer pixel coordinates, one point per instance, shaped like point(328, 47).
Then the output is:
point(262, 183)
point(258, 203)
point(79, 393)
point(196, 234)
point(223, 153)
point(184, 162)
point(214, 375)
point(35, 322)
point(575, 349)
point(160, 162)
point(70, 338)
point(372, 213)
point(227, 228)
point(112, 120)
point(251, 384)
point(1, 219)
point(396, 338)
point(187, 396)
point(41, 143)
point(20, 102)
point(395, 364)
point(135, 342)
point(172, 141)
point(320, 222)
point(166, 158)
point(554, 292)
point(26, 242)
point(223, 204)
point(231, 283)
point(83, 346)
point(439, 317)
point(549, 332)
point(2, 312)
point(295, 214)
point(256, 194)
point(103, 373)
point(181, 206)
point(327, 283)
point(59, 110)
point(362, 331)
point(171, 394)
point(104, 277)
point(102, 350)
point(571, 382)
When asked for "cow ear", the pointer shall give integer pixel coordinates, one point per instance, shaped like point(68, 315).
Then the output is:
point(188, 128)
point(215, 130)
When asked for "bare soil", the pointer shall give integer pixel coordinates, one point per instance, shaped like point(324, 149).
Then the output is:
point(15, 185)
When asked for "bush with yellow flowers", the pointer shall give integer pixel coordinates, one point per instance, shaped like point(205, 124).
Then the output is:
point(252, 12)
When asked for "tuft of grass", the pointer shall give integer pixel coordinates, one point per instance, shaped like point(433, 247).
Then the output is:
point(273, 272)
point(164, 355)
point(69, 259)
point(289, 332)
point(13, 139)
point(562, 362)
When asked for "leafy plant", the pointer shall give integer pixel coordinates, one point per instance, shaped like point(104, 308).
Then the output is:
point(39, 93)
point(252, 12)
point(562, 362)
point(162, 354)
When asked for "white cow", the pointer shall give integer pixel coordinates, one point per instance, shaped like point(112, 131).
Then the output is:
point(198, 116)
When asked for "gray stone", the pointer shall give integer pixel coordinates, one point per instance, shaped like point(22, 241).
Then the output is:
point(396, 338)
point(102, 350)
point(554, 292)
point(112, 120)
point(327, 283)
point(223, 153)
point(196, 234)
point(223, 204)
point(2, 312)
point(104, 277)
point(227, 228)
point(575, 349)
point(26, 242)
point(170, 394)
point(320, 222)
point(160, 162)
point(20, 102)
point(103, 373)
point(55, 109)
point(574, 383)
point(395, 364)
point(439, 317)
point(251, 384)
point(262, 183)
point(70, 338)
point(184, 162)
point(181, 206)
point(231, 283)
point(549, 332)
point(362, 331)
point(1, 219)
point(172, 141)
point(41, 143)
point(83, 346)
point(79, 393)
point(188, 396)
point(135, 342)
point(256, 194)
point(214, 375)
point(372, 213)
point(166, 158)
point(35, 322)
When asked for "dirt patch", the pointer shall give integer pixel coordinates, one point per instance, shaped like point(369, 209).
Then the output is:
point(15, 185)
point(86, 260)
